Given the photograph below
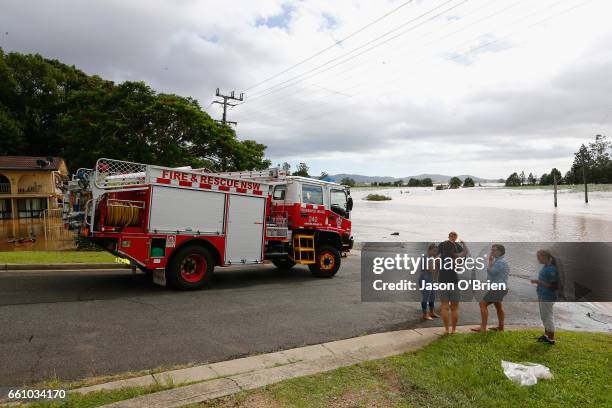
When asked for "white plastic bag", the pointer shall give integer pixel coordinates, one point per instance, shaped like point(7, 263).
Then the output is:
point(525, 373)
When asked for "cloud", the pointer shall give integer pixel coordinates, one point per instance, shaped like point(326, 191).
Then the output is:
point(484, 87)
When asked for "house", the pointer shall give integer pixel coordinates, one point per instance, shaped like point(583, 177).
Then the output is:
point(29, 185)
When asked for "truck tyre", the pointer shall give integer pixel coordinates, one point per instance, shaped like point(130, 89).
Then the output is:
point(283, 263)
point(327, 262)
point(190, 268)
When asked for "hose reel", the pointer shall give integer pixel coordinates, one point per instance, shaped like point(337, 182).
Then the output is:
point(123, 213)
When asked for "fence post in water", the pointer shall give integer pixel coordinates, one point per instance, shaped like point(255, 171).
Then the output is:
point(586, 189)
point(555, 184)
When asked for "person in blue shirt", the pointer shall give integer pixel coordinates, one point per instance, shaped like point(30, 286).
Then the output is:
point(497, 272)
point(547, 285)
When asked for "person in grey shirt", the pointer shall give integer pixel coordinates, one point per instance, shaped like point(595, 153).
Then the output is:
point(497, 272)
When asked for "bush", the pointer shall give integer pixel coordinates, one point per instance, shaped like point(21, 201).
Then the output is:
point(377, 197)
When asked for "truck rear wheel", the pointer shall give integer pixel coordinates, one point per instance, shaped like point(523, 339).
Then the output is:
point(327, 262)
point(190, 268)
point(283, 263)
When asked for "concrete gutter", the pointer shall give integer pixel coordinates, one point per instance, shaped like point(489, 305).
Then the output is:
point(61, 267)
point(216, 380)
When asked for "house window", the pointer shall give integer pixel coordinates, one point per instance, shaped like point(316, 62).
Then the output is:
point(5, 209)
point(31, 207)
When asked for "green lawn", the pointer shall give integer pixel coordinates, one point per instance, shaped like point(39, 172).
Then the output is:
point(54, 257)
point(462, 370)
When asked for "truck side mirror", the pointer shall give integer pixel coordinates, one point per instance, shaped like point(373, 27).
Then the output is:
point(349, 204)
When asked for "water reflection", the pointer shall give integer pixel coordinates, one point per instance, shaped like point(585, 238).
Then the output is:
point(29, 234)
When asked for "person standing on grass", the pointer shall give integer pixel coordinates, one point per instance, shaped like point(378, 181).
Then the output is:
point(497, 272)
point(547, 285)
point(449, 299)
point(429, 275)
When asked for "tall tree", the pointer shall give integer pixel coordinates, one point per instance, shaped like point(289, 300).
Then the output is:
point(49, 108)
point(302, 170)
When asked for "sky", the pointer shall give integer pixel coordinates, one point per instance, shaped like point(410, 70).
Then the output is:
point(378, 87)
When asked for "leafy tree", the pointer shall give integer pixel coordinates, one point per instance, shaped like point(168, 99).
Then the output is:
point(548, 179)
point(513, 180)
point(455, 182)
point(286, 167)
point(427, 182)
point(468, 182)
point(531, 179)
point(522, 177)
point(49, 108)
point(302, 170)
point(350, 182)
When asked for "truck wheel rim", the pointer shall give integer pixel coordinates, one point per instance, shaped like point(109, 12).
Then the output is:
point(327, 261)
point(193, 268)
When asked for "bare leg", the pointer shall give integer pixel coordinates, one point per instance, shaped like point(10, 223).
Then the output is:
point(454, 306)
point(500, 315)
point(484, 317)
point(444, 313)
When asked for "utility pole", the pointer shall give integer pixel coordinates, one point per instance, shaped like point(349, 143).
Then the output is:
point(555, 183)
point(224, 100)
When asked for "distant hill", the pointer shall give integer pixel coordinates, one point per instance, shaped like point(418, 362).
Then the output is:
point(359, 179)
point(436, 178)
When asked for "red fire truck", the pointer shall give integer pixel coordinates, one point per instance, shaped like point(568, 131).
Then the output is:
point(177, 224)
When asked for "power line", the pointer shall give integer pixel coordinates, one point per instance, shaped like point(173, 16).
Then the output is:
point(489, 43)
point(335, 44)
point(301, 77)
point(344, 72)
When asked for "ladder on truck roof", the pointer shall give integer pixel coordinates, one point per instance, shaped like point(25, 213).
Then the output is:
point(271, 174)
point(113, 174)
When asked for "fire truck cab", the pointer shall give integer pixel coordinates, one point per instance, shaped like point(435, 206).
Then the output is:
point(178, 224)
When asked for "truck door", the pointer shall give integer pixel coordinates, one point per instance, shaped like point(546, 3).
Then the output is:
point(245, 227)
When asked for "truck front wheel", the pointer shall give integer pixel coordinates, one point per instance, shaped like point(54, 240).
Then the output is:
point(190, 268)
point(327, 262)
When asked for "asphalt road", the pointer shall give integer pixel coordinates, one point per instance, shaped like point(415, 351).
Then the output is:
point(76, 324)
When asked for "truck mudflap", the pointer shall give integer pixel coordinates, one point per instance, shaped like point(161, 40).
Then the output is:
point(159, 276)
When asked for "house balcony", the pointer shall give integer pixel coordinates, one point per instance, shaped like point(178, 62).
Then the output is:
point(5, 188)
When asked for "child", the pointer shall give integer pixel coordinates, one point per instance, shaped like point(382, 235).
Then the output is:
point(547, 285)
point(428, 275)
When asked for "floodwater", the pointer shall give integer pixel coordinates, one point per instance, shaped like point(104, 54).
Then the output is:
point(30, 234)
point(492, 213)
point(481, 214)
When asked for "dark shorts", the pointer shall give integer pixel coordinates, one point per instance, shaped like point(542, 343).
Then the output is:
point(493, 296)
point(453, 295)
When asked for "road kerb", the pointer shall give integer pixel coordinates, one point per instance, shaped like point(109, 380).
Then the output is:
point(220, 379)
point(61, 267)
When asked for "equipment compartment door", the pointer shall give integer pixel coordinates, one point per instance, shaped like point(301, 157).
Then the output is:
point(245, 224)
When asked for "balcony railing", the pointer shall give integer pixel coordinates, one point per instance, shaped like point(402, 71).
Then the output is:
point(5, 188)
point(36, 188)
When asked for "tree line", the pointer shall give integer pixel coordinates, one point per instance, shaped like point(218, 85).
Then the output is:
point(48, 108)
point(592, 163)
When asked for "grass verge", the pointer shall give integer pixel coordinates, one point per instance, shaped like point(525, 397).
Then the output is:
point(55, 257)
point(463, 370)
